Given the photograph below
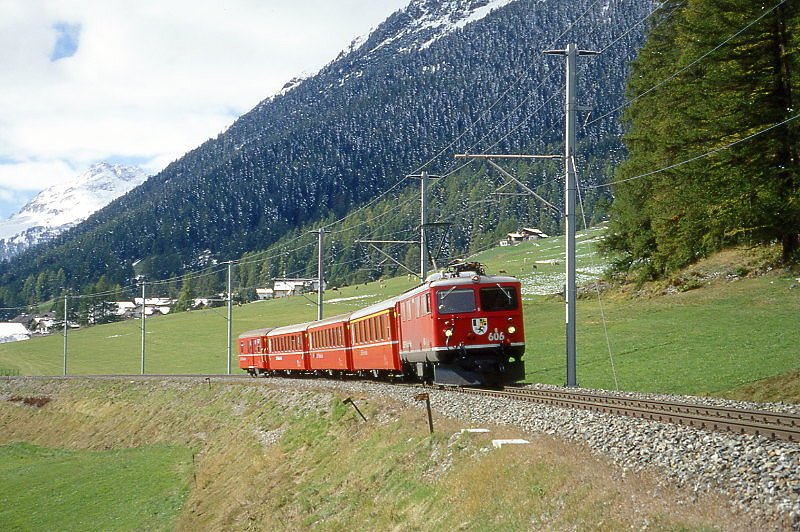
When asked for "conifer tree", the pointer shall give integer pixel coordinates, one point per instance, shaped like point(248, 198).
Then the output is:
point(737, 65)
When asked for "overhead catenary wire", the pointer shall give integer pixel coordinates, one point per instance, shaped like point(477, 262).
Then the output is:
point(596, 286)
point(698, 157)
point(690, 65)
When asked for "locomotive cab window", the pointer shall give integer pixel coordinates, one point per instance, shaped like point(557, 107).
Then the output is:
point(453, 301)
point(498, 298)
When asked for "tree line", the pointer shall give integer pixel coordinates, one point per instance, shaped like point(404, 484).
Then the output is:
point(716, 77)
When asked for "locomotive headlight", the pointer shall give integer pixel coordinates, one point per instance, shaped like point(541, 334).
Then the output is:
point(511, 329)
point(448, 332)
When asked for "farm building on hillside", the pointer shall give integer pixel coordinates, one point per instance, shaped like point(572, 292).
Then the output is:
point(265, 293)
point(13, 332)
point(290, 287)
point(525, 234)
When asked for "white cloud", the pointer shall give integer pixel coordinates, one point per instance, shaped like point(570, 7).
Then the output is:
point(150, 79)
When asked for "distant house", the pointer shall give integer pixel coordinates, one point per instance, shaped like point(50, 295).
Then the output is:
point(125, 308)
point(43, 323)
point(13, 332)
point(290, 287)
point(200, 302)
point(265, 293)
point(525, 234)
point(152, 306)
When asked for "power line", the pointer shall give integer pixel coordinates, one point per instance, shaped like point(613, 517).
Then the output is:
point(698, 157)
point(690, 65)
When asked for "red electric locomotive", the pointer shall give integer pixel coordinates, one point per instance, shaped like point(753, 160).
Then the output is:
point(463, 327)
point(460, 327)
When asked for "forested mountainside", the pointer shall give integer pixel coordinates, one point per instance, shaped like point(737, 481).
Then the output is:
point(715, 104)
point(334, 141)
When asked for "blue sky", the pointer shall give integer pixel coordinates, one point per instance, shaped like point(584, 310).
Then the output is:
point(67, 40)
point(144, 82)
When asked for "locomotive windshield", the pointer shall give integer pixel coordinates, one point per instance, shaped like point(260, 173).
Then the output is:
point(455, 301)
point(498, 298)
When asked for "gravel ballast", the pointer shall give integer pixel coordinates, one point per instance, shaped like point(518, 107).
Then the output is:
point(760, 476)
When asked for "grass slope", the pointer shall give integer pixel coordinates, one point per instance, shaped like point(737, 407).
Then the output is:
point(283, 458)
point(711, 335)
point(123, 489)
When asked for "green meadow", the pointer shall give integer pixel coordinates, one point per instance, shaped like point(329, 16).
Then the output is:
point(121, 489)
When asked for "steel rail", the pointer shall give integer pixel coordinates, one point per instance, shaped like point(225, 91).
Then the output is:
point(770, 424)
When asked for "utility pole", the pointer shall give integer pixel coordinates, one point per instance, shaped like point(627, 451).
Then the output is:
point(423, 177)
point(143, 322)
point(230, 316)
point(571, 108)
point(65, 330)
point(320, 271)
point(423, 220)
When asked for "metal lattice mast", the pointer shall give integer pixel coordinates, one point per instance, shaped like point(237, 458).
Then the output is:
point(423, 220)
point(320, 271)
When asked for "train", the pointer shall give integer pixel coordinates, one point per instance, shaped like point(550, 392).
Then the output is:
point(461, 327)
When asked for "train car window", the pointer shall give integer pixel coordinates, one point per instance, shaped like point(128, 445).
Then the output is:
point(452, 301)
point(498, 298)
point(426, 301)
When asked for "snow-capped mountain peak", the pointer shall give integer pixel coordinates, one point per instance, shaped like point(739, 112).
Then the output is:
point(62, 206)
point(423, 22)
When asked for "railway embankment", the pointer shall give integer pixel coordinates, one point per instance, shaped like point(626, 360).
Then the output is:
point(290, 453)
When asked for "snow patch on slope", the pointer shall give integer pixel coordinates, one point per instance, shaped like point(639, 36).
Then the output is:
point(441, 19)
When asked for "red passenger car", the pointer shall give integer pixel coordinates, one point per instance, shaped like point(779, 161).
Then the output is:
point(288, 348)
point(253, 351)
point(329, 345)
point(374, 337)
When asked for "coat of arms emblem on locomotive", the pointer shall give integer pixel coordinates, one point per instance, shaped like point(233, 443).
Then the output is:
point(480, 326)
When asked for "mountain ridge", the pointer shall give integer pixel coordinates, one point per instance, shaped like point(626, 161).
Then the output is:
point(63, 206)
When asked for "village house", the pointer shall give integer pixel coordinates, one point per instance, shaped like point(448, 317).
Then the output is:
point(265, 293)
point(524, 235)
point(290, 287)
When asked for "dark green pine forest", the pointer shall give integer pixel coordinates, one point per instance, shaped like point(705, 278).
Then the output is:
point(732, 71)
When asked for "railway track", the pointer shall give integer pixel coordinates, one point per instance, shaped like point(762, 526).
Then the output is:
point(770, 424)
